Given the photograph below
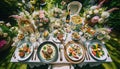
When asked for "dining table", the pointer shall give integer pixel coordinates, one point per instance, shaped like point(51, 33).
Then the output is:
point(33, 60)
point(61, 46)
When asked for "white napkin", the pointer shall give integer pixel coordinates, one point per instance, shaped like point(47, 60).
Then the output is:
point(61, 66)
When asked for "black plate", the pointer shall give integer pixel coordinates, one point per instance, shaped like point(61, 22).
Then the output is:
point(55, 55)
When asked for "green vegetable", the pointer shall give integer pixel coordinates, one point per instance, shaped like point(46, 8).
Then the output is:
point(27, 45)
point(55, 35)
point(94, 46)
point(103, 53)
point(97, 55)
point(70, 54)
point(44, 47)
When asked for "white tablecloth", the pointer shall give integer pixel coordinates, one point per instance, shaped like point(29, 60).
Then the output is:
point(62, 64)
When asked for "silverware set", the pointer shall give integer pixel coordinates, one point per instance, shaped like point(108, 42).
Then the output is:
point(87, 55)
point(35, 51)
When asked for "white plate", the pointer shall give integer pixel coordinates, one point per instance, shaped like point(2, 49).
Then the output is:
point(26, 55)
point(72, 58)
point(103, 48)
point(55, 39)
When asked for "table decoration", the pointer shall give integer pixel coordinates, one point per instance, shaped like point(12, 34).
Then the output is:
point(97, 14)
point(41, 20)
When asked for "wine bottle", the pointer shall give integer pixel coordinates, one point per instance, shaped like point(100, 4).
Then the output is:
point(68, 17)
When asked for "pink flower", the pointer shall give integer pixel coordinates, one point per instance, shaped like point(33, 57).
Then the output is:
point(42, 15)
point(95, 19)
point(16, 16)
point(2, 43)
point(113, 9)
point(100, 4)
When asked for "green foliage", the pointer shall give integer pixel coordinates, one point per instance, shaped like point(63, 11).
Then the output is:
point(114, 20)
point(7, 7)
point(10, 7)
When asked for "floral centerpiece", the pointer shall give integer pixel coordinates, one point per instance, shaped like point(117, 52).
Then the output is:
point(41, 20)
point(97, 14)
point(95, 18)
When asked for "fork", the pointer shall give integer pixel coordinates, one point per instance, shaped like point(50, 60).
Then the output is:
point(36, 44)
point(35, 55)
point(60, 50)
point(88, 56)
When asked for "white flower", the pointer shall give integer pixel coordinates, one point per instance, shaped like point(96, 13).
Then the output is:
point(96, 11)
point(21, 14)
point(101, 20)
point(103, 32)
point(19, 4)
point(93, 7)
point(16, 28)
point(105, 14)
point(23, 1)
point(63, 3)
point(56, 9)
point(8, 24)
point(90, 12)
point(12, 28)
point(27, 13)
point(100, 9)
point(88, 16)
point(20, 32)
point(35, 13)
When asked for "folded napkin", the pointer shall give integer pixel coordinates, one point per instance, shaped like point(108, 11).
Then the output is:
point(61, 66)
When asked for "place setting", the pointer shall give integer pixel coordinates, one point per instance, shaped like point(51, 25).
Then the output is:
point(96, 50)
